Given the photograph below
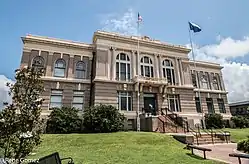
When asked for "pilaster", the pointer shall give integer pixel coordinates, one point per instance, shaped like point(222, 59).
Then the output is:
point(50, 64)
point(160, 65)
point(133, 64)
point(156, 66)
point(177, 71)
point(113, 57)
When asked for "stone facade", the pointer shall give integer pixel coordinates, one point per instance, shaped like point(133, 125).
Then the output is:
point(112, 71)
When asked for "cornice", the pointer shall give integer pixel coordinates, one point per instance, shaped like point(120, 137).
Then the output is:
point(134, 40)
point(58, 42)
point(203, 64)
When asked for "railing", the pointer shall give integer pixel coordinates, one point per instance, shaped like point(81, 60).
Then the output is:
point(220, 131)
point(180, 122)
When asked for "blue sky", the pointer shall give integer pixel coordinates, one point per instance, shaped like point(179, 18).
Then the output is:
point(225, 25)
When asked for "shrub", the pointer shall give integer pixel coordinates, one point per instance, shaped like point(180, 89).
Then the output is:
point(240, 121)
point(64, 120)
point(214, 120)
point(103, 118)
point(243, 145)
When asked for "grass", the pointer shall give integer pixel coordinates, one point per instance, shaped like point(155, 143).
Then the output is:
point(238, 134)
point(118, 148)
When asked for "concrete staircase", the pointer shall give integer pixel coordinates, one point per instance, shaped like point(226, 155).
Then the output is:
point(205, 138)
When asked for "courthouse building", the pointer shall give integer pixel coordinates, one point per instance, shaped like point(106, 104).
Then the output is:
point(110, 71)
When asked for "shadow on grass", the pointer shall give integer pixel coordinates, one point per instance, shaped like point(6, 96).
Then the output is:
point(195, 156)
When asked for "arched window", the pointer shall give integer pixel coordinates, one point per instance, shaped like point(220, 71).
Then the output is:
point(168, 71)
point(123, 70)
point(80, 70)
point(60, 68)
point(146, 67)
point(38, 62)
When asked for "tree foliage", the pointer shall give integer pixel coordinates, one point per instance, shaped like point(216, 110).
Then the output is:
point(21, 126)
point(214, 120)
point(103, 118)
point(240, 121)
point(64, 120)
point(243, 145)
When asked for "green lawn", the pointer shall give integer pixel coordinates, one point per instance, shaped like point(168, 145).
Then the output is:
point(121, 147)
point(238, 134)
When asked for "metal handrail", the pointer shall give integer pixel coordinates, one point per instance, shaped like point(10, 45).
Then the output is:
point(222, 132)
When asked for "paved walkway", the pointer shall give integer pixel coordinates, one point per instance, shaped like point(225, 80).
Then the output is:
point(221, 152)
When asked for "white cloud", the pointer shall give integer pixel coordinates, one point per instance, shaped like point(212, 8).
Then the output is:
point(228, 47)
point(4, 96)
point(235, 75)
point(122, 23)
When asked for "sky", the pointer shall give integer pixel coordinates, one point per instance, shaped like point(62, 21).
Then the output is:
point(224, 38)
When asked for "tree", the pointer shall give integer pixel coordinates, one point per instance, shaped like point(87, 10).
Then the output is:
point(21, 125)
point(64, 120)
point(214, 120)
point(103, 118)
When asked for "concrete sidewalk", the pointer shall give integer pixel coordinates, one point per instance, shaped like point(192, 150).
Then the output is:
point(221, 152)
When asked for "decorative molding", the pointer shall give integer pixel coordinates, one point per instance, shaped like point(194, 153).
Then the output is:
point(124, 87)
point(79, 86)
point(57, 85)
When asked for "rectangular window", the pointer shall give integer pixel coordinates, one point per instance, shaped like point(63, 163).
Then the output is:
point(124, 101)
point(123, 71)
point(78, 100)
point(174, 103)
point(221, 105)
point(56, 98)
point(198, 104)
point(210, 105)
point(147, 71)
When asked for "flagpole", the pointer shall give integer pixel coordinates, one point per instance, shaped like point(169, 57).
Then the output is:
point(138, 91)
point(197, 79)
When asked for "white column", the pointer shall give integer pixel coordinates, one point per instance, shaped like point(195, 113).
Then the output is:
point(160, 66)
point(133, 64)
point(181, 72)
point(177, 71)
point(138, 63)
point(156, 66)
point(113, 67)
point(109, 60)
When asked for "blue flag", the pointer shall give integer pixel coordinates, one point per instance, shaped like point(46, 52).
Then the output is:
point(194, 27)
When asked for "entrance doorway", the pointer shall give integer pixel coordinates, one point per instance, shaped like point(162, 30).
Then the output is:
point(150, 103)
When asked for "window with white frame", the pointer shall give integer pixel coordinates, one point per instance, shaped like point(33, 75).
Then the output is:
point(124, 101)
point(168, 71)
point(123, 67)
point(80, 70)
point(174, 103)
point(78, 100)
point(56, 98)
point(60, 68)
point(204, 80)
point(146, 67)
